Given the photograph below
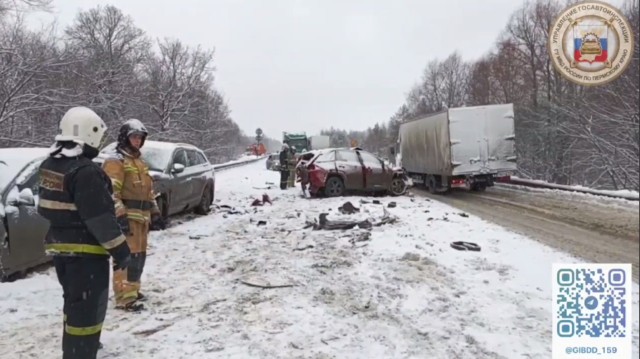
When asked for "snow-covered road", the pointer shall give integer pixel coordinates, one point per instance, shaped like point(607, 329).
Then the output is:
point(401, 292)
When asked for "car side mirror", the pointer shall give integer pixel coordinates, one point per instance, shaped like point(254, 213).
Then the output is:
point(177, 168)
point(26, 198)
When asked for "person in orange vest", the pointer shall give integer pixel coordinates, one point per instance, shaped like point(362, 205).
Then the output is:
point(136, 210)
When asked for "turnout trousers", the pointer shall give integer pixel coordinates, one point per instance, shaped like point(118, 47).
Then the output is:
point(85, 286)
point(126, 283)
point(291, 180)
point(284, 176)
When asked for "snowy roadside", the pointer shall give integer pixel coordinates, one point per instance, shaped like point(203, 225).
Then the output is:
point(625, 194)
point(403, 293)
point(618, 202)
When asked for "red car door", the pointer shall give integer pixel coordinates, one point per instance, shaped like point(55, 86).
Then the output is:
point(348, 164)
point(375, 176)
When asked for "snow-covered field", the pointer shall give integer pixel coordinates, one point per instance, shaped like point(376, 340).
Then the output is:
point(400, 292)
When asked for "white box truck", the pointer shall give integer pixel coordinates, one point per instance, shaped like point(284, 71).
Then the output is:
point(465, 147)
point(319, 142)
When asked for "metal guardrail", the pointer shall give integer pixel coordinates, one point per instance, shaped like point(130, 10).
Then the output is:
point(539, 184)
point(224, 166)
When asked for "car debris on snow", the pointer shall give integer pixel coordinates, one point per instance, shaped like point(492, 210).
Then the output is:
point(148, 332)
point(223, 208)
point(308, 246)
point(348, 208)
point(360, 237)
point(265, 199)
point(465, 246)
point(261, 282)
point(327, 224)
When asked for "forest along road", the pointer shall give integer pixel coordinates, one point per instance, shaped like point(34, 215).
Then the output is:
point(596, 229)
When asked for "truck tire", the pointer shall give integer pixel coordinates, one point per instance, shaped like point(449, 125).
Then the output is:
point(334, 187)
point(479, 187)
point(432, 184)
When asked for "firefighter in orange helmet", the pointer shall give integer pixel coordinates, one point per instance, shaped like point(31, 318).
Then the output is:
point(136, 209)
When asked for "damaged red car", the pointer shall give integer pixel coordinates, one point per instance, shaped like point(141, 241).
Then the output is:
point(333, 172)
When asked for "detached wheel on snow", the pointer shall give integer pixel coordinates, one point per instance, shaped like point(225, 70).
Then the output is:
point(204, 207)
point(465, 246)
point(334, 187)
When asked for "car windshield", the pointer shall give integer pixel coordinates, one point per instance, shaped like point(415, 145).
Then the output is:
point(13, 162)
point(326, 157)
point(299, 143)
point(7, 173)
point(156, 158)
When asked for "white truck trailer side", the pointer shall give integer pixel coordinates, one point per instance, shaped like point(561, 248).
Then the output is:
point(319, 142)
point(468, 147)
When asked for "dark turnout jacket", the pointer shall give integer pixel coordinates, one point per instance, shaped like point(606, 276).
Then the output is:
point(76, 199)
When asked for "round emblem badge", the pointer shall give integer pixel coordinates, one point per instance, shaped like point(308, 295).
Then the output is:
point(591, 43)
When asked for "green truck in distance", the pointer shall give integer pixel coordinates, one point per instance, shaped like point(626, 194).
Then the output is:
point(298, 140)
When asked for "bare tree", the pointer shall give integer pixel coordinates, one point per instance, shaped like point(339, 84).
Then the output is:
point(22, 6)
point(432, 87)
point(481, 91)
point(454, 74)
point(105, 62)
point(112, 49)
point(526, 33)
point(27, 60)
point(171, 78)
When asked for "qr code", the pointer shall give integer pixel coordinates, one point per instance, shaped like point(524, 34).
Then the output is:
point(591, 302)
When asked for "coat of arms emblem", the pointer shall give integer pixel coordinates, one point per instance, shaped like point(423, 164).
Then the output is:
point(591, 43)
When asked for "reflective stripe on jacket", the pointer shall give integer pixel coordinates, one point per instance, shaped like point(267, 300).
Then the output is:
point(76, 199)
point(132, 186)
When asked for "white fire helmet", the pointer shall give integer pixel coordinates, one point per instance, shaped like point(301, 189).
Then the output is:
point(83, 126)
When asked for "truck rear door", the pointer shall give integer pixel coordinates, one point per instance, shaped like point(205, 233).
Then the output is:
point(499, 146)
point(468, 141)
point(482, 139)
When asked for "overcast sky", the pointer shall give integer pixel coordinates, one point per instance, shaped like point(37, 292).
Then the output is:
point(287, 65)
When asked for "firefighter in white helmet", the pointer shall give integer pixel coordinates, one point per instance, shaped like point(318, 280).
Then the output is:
point(284, 166)
point(76, 198)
